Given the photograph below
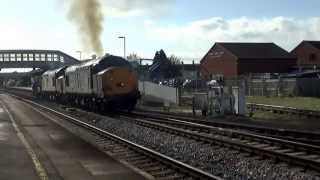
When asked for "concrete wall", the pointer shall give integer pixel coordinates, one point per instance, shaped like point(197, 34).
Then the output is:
point(157, 93)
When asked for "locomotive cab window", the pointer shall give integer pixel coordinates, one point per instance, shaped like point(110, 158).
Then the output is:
point(53, 81)
point(67, 81)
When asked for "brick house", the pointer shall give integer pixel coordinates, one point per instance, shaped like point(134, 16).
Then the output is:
point(232, 60)
point(307, 54)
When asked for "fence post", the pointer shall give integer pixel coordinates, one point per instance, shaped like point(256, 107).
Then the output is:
point(249, 83)
point(279, 93)
point(178, 95)
point(262, 93)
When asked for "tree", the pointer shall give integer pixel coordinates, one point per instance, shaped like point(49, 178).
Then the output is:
point(174, 59)
point(163, 68)
point(134, 57)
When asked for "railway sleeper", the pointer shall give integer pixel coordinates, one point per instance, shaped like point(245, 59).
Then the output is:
point(119, 149)
point(148, 165)
point(110, 147)
point(284, 151)
point(311, 156)
point(130, 154)
point(164, 173)
point(297, 154)
point(108, 150)
point(256, 151)
point(137, 158)
point(141, 162)
point(253, 143)
point(107, 143)
point(155, 168)
point(273, 148)
point(173, 177)
point(262, 146)
point(121, 153)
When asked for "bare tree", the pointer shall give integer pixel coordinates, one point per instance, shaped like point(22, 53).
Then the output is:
point(134, 57)
point(174, 59)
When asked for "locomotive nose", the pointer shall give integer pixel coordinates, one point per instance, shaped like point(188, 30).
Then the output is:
point(120, 81)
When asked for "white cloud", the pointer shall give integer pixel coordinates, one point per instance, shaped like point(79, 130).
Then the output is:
point(126, 8)
point(21, 35)
point(195, 38)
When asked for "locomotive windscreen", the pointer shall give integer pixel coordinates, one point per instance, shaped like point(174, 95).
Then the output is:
point(109, 61)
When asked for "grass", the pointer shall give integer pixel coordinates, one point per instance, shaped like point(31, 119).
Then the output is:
point(297, 102)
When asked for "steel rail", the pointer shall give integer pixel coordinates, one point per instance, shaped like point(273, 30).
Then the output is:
point(312, 138)
point(283, 110)
point(182, 167)
point(292, 152)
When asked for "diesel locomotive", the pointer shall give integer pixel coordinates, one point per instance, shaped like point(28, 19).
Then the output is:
point(106, 83)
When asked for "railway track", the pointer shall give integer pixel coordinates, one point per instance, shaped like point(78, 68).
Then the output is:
point(307, 156)
point(286, 134)
point(155, 164)
point(298, 154)
point(283, 110)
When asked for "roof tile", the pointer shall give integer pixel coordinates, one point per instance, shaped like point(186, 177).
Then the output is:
point(256, 50)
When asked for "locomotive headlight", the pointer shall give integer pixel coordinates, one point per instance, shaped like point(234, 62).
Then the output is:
point(121, 84)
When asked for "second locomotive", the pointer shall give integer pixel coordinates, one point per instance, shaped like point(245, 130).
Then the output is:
point(107, 83)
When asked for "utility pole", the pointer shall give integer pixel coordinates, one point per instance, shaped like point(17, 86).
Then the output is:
point(124, 45)
point(80, 54)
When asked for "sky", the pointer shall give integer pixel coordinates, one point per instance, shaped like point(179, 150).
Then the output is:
point(185, 28)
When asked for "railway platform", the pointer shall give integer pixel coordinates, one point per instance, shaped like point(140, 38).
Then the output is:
point(34, 147)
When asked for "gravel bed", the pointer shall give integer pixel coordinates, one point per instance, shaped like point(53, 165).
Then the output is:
point(223, 162)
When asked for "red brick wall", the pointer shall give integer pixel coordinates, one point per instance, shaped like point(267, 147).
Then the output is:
point(219, 62)
point(265, 65)
point(304, 53)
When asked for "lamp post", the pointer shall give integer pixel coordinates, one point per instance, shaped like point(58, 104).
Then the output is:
point(124, 45)
point(80, 54)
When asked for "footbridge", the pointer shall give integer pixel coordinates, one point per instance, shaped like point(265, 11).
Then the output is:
point(43, 59)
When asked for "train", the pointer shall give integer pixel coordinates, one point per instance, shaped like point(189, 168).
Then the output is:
point(106, 84)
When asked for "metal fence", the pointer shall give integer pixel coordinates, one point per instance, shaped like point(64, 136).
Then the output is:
point(271, 87)
point(309, 87)
point(182, 95)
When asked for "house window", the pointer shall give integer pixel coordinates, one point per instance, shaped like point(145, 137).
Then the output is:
point(312, 57)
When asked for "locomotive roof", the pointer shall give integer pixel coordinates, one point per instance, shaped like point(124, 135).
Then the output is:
point(53, 72)
point(101, 63)
point(105, 70)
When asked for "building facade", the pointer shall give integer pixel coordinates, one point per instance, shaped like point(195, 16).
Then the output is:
point(308, 55)
point(232, 60)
